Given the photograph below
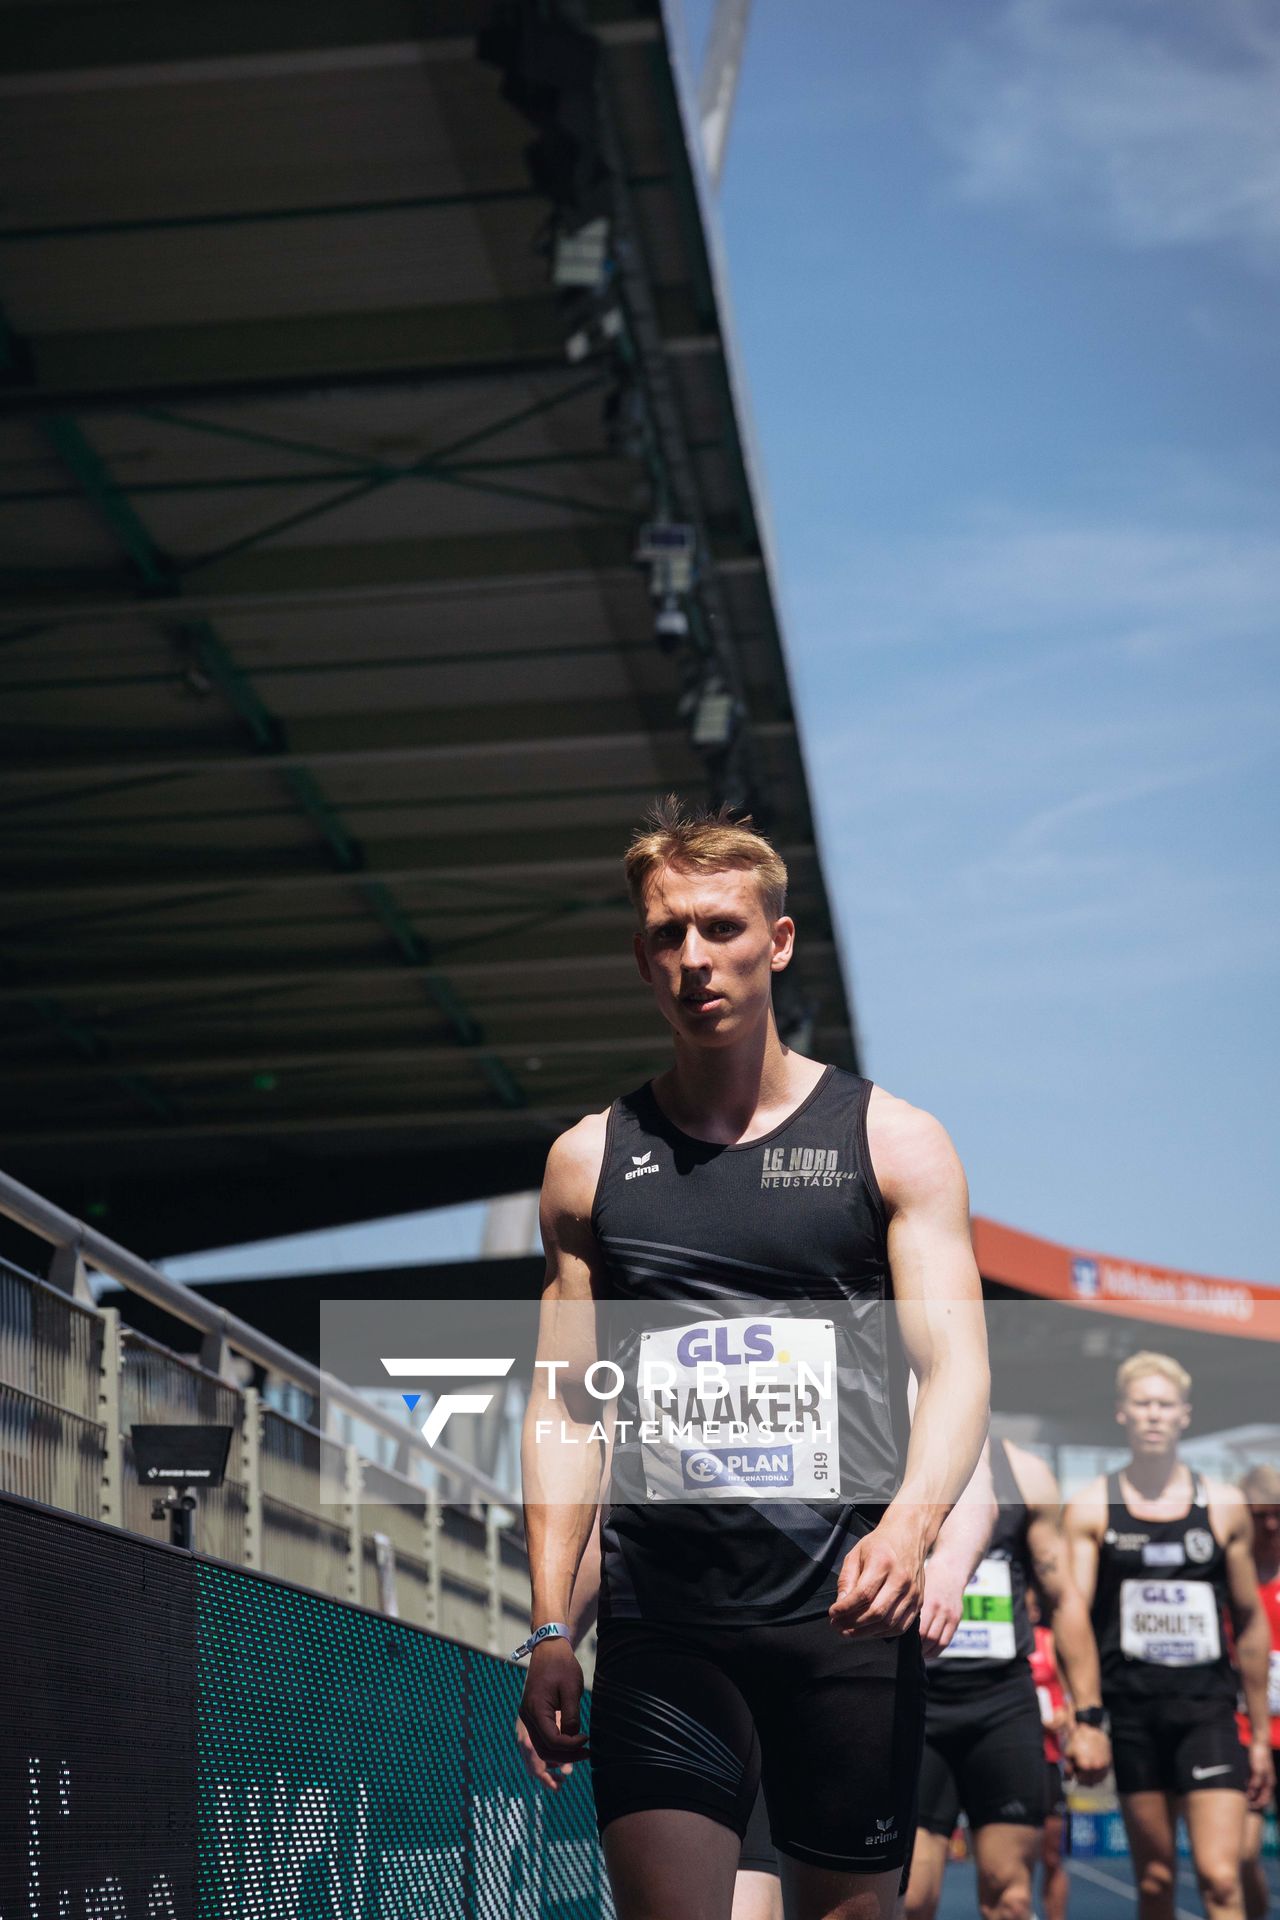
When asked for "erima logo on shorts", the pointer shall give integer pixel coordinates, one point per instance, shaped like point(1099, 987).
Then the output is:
point(642, 1163)
point(737, 1466)
point(886, 1831)
point(802, 1167)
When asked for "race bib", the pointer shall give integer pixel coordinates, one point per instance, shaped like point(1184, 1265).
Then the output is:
point(986, 1626)
point(740, 1410)
point(1273, 1684)
point(1169, 1623)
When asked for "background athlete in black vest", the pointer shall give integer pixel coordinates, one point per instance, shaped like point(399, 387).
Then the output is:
point(983, 1736)
point(763, 1637)
point(1164, 1556)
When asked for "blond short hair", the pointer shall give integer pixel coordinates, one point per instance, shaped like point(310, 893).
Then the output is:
point(1140, 1364)
point(696, 841)
point(1261, 1486)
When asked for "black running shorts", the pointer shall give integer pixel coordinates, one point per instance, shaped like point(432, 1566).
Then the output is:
point(984, 1755)
point(698, 1717)
point(1055, 1790)
point(1177, 1746)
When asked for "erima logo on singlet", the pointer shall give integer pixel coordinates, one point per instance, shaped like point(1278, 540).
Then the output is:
point(802, 1167)
point(642, 1163)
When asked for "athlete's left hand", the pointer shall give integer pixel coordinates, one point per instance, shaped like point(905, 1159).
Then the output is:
point(942, 1609)
point(1087, 1751)
point(881, 1584)
point(1261, 1776)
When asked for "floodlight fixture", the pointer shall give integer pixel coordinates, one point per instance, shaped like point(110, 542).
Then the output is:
point(714, 717)
point(579, 259)
point(671, 622)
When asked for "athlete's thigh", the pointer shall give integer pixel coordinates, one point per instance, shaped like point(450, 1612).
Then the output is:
point(670, 1862)
point(1151, 1826)
point(840, 1725)
point(820, 1893)
point(756, 1895)
point(928, 1865)
point(1005, 1856)
point(1215, 1829)
point(670, 1729)
point(1251, 1847)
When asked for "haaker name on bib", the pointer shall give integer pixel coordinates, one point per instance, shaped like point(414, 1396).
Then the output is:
point(1170, 1623)
point(986, 1626)
point(740, 1409)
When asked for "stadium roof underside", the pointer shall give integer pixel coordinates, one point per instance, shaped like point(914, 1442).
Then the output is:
point(329, 681)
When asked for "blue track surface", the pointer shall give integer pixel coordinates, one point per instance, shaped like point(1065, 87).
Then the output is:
point(1100, 1890)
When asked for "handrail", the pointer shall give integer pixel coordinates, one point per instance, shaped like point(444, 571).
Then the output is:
point(58, 1229)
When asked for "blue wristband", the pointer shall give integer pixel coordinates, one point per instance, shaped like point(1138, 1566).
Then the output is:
point(554, 1630)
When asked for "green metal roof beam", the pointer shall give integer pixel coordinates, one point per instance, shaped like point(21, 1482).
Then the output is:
point(265, 728)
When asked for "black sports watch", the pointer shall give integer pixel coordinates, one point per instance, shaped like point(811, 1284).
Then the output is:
point(1091, 1717)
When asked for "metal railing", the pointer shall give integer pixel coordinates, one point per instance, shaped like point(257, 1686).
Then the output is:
point(439, 1551)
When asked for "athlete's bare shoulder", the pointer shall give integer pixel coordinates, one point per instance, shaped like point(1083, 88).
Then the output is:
point(1086, 1510)
point(1035, 1477)
point(573, 1168)
point(1228, 1510)
point(912, 1153)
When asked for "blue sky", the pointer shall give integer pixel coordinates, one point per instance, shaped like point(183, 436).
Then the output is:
point(1004, 278)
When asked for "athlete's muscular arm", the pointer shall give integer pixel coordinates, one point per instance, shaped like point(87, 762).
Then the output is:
point(580, 1619)
point(1087, 1748)
point(1084, 1521)
point(561, 1481)
point(1229, 1518)
point(938, 1297)
point(960, 1545)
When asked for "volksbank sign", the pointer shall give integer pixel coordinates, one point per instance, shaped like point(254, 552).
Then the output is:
point(182, 1739)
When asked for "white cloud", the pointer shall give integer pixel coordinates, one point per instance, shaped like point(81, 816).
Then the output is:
point(1156, 121)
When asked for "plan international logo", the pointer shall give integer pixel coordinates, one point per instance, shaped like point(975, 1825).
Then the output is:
point(802, 1167)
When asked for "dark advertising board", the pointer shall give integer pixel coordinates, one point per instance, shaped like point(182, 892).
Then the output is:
point(182, 1738)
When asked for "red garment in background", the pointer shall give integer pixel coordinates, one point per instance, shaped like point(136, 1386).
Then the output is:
point(1044, 1671)
point(1270, 1591)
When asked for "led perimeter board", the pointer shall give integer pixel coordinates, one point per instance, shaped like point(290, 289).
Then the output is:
point(182, 1738)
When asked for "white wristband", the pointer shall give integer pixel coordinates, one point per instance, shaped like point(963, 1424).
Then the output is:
point(554, 1630)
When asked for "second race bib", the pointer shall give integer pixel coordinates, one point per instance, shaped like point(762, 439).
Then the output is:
point(740, 1410)
point(1169, 1623)
point(986, 1626)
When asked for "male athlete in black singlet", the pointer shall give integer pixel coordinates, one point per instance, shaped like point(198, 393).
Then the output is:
point(771, 1637)
point(1164, 1556)
point(983, 1738)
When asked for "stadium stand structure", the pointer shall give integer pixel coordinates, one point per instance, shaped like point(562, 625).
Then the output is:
point(379, 533)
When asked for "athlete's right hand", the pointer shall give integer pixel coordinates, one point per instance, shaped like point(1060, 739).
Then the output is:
point(881, 1584)
point(1262, 1778)
point(552, 1778)
point(551, 1703)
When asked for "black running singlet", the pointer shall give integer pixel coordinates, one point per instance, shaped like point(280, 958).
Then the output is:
point(791, 1220)
point(994, 1637)
point(1158, 1607)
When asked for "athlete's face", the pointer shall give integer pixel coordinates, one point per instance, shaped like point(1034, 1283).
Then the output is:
point(709, 952)
point(1153, 1414)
